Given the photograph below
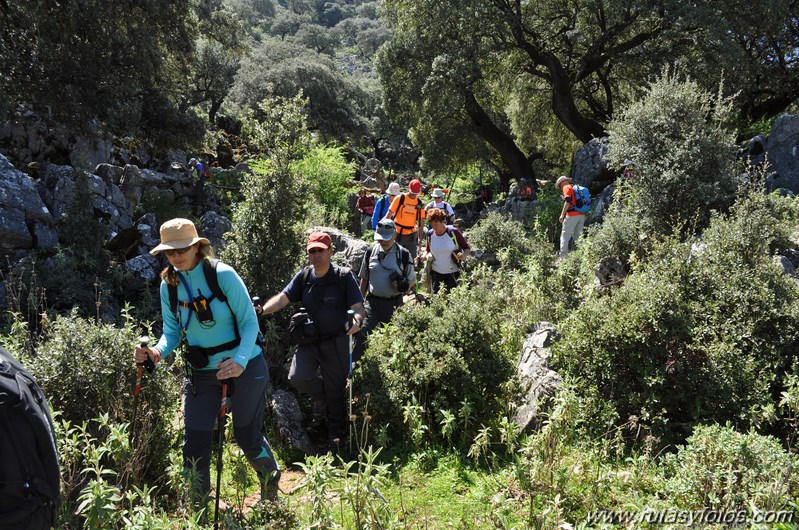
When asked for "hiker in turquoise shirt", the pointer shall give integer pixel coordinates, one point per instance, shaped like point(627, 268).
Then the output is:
point(221, 346)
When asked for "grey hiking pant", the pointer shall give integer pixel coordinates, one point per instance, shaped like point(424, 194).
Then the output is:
point(331, 358)
point(247, 404)
point(410, 242)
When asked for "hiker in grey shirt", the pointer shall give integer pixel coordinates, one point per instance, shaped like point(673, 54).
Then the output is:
point(386, 274)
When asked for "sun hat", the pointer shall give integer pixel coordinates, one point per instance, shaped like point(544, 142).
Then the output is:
point(438, 192)
point(318, 240)
point(393, 189)
point(176, 234)
point(192, 160)
point(386, 229)
point(415, 186)
point(561, 180)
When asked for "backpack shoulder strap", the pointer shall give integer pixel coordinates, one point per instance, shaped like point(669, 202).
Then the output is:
point(172, 291)
point(404, 256)
point(451, 234)
point(209, 270)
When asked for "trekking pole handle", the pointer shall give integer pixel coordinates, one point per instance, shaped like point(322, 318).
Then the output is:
point(256, 301)
point(148, 363)
point(350, 317)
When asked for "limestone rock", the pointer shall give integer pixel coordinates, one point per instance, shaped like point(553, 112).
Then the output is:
point(539, 383)
point(214, 227)
point(25, 221)
point(289, 420)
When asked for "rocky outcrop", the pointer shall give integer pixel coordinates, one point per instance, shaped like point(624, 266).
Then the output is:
point(214, 227)
point(589, 166)
point(538, 382)
point(288, 421)
point(608, 272)
point(782, 153)
point(25, 221)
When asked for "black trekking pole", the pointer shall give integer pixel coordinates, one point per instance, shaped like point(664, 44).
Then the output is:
point(148, 363)
point(223, 406)
point(350, 319)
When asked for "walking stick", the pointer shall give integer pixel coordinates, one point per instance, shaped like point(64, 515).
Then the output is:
point(226, 387)
point(143, 341)
point(350, 318)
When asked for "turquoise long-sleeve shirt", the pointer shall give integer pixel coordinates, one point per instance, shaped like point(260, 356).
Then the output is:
point(221, 331)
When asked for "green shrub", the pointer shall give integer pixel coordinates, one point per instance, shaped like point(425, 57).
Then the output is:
point(502, 236)
point(264, 243)
point(446, 356)
point(683, 152)
point(720, 468)
point(703, 331)
point(327, 176)
point(635, 346)
point(86, 370)
point(623, 233)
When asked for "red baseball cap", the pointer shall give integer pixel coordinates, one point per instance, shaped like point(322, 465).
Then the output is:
point(415, 186)
point(318, 240)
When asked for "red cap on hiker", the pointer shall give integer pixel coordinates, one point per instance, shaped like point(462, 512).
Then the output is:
point(318, 240)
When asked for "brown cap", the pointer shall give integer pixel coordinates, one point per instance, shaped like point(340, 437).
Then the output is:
point(318, 240)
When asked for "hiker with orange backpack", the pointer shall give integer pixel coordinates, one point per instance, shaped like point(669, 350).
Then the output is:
point(220, 330)
point(407, 213)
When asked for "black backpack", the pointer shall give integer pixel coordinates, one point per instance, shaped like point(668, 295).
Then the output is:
point(29, 472)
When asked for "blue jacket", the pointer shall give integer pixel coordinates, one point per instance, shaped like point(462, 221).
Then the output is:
point(381, 209)
point(222, 330)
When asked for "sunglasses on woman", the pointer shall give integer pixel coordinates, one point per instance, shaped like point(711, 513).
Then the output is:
point(173, 251)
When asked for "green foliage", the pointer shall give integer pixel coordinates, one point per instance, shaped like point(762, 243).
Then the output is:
point(58, 62)
point(264, 224)
point(337, 106)
point(720, 468)
point(700, 332)
point(683, 154)
point(86, 369)
point(444, 355)
point(326, 175)
point(502, 236)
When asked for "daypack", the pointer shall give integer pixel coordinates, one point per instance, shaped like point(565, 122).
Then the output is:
point(418, 211)
point(209, 271)
point(206, 171)
point(582, 198)
point(29, 472)
point(403, 254)
point(453, 237)
point(342, 276)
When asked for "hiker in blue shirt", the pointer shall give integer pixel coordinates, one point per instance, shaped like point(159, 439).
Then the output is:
point(221, 345)
point(381, 208)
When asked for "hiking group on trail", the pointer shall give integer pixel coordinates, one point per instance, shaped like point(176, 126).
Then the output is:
point(208, 314)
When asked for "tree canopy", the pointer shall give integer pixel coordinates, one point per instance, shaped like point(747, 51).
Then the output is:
point(457, 73)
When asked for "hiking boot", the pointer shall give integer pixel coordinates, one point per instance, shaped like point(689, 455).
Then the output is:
point(269, 488)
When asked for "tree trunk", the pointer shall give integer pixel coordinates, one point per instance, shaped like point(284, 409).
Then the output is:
point(566, 110)
point(519, 165)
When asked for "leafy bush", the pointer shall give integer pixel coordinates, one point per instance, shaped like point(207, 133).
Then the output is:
point(502, 236)
point(87, 370)
point(623, 233)
point(683, 153)
point(720, 468)
point(327, 176)
point(703, 331)
point(446, 356)
point(265, 223)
